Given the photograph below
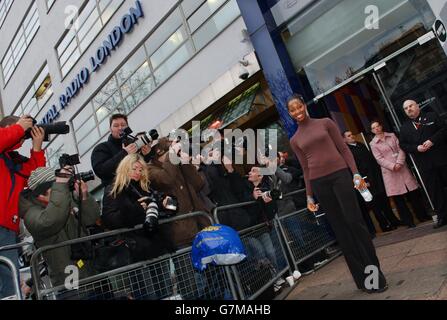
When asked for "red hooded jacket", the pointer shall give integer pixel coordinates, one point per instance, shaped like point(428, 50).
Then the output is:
point(14, 177)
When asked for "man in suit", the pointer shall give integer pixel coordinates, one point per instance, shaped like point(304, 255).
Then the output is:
point(368, 166)
point(424, 136)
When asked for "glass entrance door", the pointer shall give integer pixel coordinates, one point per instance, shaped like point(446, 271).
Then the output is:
point(418, 73)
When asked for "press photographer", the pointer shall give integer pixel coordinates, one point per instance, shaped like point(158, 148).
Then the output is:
point(107, 155)
point(14, 172)
point(57, 208)
point(129, 202)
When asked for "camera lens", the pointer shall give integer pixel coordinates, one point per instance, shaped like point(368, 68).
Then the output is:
point(151, 222)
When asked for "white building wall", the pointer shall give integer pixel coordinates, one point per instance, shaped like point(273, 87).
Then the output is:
point(209, 75)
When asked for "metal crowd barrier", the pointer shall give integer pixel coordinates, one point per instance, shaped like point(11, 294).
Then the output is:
point(14, 271)
point(298, 235)
point(169, 277)
point(266, 257)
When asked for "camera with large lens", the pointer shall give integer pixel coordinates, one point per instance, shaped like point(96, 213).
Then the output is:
point(146, 139)
point(151, 221)
point(73, 160)
point(54, 128)
point(274, 194)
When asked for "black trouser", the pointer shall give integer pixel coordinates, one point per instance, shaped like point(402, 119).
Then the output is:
point(382, 204)
point(435, 181)
point(415, 199)
point(365, 214)
point(337, 198)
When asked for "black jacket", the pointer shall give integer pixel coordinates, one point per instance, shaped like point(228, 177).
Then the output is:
point(222, 192)
point(124, 211)
point(260, 212)
point(106, 157)
point(368, 166)
point(432, 128)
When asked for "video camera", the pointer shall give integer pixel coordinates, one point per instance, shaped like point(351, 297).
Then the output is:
point(54, 128)
point(146, 139)
point(73, 160)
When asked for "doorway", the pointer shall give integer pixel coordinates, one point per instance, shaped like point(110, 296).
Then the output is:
point(418, 71)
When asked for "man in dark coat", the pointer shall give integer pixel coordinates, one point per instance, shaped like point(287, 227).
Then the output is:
point(368, 166)
point(183, 182)
point(424, 136)
point(107, 155)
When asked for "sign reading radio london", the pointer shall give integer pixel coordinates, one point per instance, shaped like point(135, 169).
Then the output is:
point(112, 42)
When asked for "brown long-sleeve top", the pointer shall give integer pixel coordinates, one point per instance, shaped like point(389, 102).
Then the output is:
point(321, 150)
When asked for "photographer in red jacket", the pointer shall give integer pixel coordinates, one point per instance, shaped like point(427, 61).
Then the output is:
point(14, 172)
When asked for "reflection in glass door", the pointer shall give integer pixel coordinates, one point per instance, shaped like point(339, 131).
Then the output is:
point(420, 74)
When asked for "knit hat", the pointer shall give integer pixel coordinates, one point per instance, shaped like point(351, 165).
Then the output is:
point(41, 180)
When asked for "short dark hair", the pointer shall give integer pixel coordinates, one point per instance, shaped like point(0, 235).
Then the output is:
point(295, 96)
point(8, 121)
point(118, 116)
point(343, 133)
point(374, 121)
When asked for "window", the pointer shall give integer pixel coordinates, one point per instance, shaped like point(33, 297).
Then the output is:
point(164, 52)
point(92, 19)
point(37, 95)
point(54, 151)
point(211, 28)
point(50, 4)
point(5, 5)
point(20, 43)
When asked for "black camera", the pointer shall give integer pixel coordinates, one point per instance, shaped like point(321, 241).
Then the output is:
point(54, 128)
point(145, 139)
point(274, 194)
point(85, 176)
point(73, 160)
point(67, 160)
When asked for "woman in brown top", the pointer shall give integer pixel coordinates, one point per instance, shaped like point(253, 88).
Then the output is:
point(330, 173)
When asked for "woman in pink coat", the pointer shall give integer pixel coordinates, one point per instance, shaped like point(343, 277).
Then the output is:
point(398, 179)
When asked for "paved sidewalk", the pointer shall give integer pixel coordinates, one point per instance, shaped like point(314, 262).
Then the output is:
point(413, 260)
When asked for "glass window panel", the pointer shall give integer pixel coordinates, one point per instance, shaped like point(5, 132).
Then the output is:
point(203, 13)
point(113, 101)
point(90, 35)
point(173, 63)
point(68, 51)
point(189, 6)
point(70, 62)
point(88, 24)
point(50, 3)
point(20, 55)
point(86, 113)
point(85, 13)
point(18, 38)
point(88, 142)
point(102, 113)
point(104, 127)
point(109, 89)
point(131, 65)
point(85, 128)
point(216, 24)
point(30, 15)
point(66, 41)
point(164, 31)
point(139, 76)
point(174, 41)
point(108, 12)
point(44, 98)
point(31, 28)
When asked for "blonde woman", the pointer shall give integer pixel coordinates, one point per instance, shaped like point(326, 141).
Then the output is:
point(125, 203)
